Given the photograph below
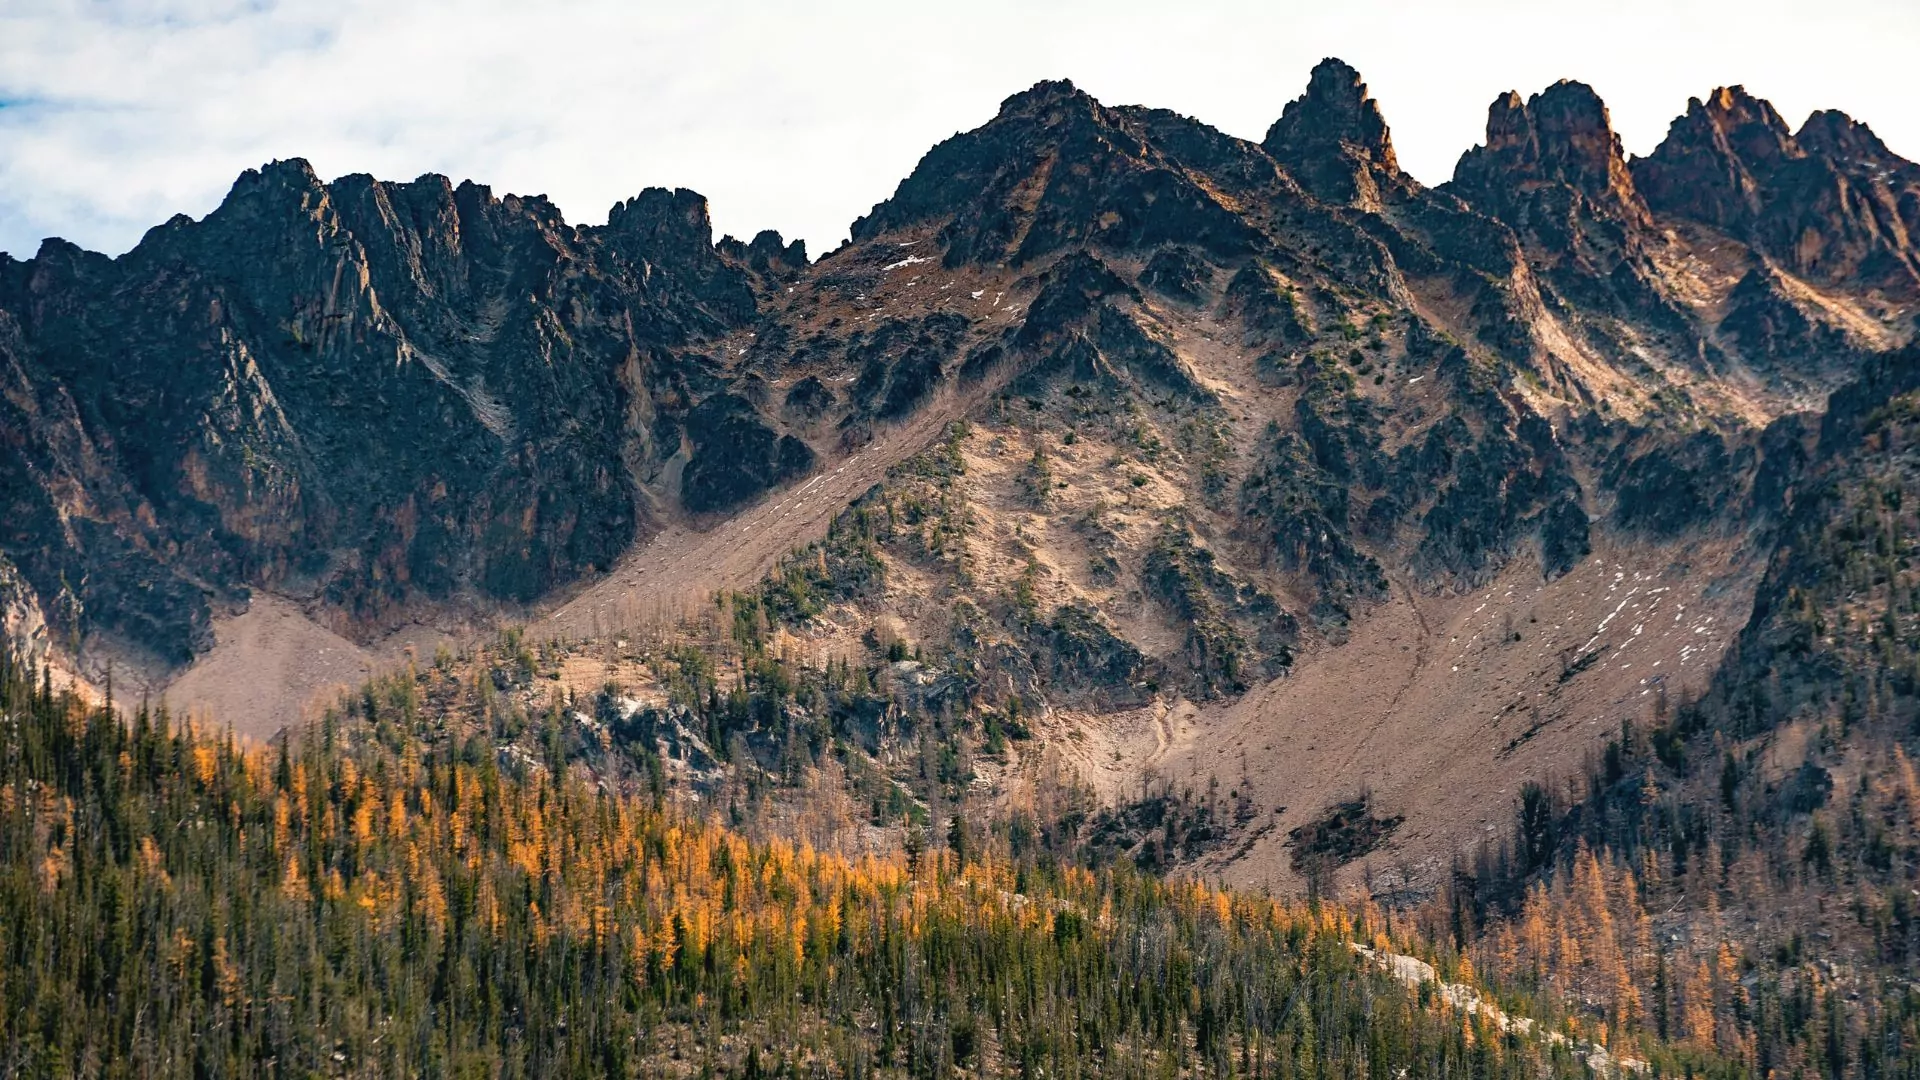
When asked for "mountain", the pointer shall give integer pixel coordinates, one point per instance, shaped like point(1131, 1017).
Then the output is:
point(382, 399)
point(1236, 404)
point(1337, 398)
point(416, 402)
point(1829, 202)
point(1528, 553)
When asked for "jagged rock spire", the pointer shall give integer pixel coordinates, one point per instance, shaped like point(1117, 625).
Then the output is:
point(1835, 205)
point(1704, 169)
point(1334, 140)
point(676, 218)
point(1562, 135)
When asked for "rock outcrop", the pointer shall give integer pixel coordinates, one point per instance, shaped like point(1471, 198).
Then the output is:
point(385, 399)
point(1545, 153)
point(1830, 203)
point(1057, 169)
point(23, 629)
point(1334, 140)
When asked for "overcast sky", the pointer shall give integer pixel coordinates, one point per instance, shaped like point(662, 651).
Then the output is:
point(116, 114)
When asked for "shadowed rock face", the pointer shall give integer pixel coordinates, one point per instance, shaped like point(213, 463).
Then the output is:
point(735, 455)
point(382, 397)
point(1334, 140)
point(1551, 170)
point(768, 255)
point(1054, 169)
point(1559, 137)
point(1179, 274)
point(1706, 168)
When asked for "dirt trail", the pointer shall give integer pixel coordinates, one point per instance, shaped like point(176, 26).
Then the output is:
point(1422, 643)
point(680, 566)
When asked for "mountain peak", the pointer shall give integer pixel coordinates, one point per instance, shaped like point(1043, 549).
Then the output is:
point(278, 175)
point(669, 231)
point(1052, 169)
point(1752, 125)
point(1334, 139)
point(1337, 104)
point(1043, 93)
point(1832, 133)
point(289, 172)
point(674, 219)
point(1735, 100)
point(1562, 135)
point(767, 253)
point(1507, 125)
point(1704, 168)
point(1030, 129)
point(1827, 203)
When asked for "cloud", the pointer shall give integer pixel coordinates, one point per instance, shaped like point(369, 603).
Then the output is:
point(116, 114)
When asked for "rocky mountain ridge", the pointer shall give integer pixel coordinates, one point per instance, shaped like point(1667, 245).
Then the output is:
point(387, 399)
point(1226, 405)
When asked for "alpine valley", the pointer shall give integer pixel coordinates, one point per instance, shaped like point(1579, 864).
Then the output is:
point(1149, 604)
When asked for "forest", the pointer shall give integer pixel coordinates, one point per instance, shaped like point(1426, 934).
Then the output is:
point(377, 895)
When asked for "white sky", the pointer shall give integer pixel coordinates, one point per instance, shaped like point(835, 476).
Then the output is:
point(116, 114)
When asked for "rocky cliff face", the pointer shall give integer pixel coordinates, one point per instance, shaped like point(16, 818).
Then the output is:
point(1830, 203)
point(1334, 140)
point(389, 399)
point(1552, 169)
point(23, 628)
point(406, 401)
point(1533, 360)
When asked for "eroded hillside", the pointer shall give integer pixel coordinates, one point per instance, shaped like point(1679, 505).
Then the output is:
point(1222, 464)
